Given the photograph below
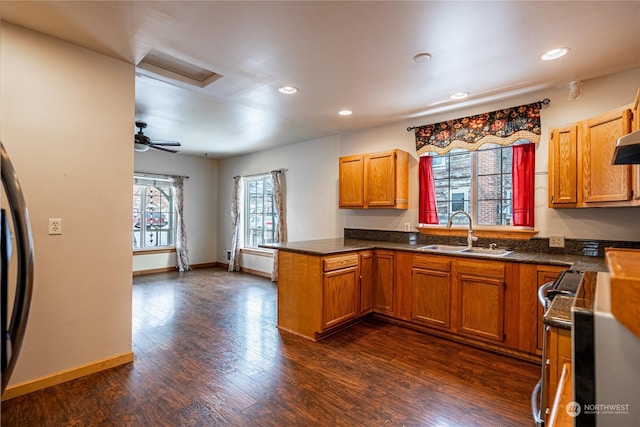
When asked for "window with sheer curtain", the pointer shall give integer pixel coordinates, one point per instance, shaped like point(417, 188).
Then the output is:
point(259, 224)
point(154, 219)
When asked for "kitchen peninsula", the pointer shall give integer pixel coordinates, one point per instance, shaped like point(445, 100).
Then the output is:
point(480, 299)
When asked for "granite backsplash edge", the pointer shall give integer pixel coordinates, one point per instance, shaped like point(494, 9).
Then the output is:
point(586, 247)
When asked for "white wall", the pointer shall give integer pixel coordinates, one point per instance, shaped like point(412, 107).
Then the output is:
point(66, 120)
point(200, 205)
point(599, 95)
point(312, 179)
point(311, 187)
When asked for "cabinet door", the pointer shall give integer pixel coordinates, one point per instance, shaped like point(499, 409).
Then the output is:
point(602, 181)
point(383, 282)
point(563, 167)
point(558, 353)
point(432, 297)
point(366, 282)
point(340, 296)
point(380, 179)
point(636, 168)
point(481, 306)
point(635, 174)
point(351, 182)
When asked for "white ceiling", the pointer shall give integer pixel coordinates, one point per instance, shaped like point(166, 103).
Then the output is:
point(355, 55)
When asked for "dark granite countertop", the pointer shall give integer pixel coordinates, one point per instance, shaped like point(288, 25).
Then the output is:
point(340, 245)
point(559, 313)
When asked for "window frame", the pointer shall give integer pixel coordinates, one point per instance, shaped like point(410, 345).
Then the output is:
point(147, 181)
point(246, 217)
point(490, 231)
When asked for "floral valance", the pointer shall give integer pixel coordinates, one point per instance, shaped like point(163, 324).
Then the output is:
point(502, 127)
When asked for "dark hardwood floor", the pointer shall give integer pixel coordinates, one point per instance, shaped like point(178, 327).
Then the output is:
point(208, 353)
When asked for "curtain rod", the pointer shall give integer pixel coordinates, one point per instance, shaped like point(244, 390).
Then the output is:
point(258, 174)
point(544, 103)
point(156, 174)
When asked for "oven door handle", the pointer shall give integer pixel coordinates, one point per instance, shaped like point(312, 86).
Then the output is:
point(542, 290)
point(535, 404)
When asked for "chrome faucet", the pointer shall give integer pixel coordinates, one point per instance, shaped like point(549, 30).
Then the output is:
point(470, 237)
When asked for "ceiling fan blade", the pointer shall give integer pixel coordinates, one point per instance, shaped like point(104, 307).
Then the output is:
point(158, 147)
point(167, 143)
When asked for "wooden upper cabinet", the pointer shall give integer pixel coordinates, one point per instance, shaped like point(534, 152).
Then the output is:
point(375, 180)
point(585, 150)
point(352, 182)
point(601, 181)
point(563, 167)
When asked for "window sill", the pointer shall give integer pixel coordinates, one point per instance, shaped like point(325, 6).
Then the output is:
point(268, 253)
point(515, 233)
point(166, 249)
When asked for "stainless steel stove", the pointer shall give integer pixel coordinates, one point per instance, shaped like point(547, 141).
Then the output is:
point(566, 284)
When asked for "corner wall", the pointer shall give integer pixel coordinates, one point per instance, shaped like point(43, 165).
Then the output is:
point(311, 192)
point(200, 205)
point(66, 121)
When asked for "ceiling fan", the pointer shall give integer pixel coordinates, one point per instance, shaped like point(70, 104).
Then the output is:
point(142, 142)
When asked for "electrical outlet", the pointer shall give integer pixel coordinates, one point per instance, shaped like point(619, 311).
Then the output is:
point(228, 255)
point(556, 241)
point(407, 226)
point(55, 226)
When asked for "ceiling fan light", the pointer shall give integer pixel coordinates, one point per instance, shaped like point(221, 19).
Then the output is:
point(140, 147)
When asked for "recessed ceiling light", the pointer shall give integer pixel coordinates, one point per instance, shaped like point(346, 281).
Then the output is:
point(288, 90)
point(555, 53)
point(460, 95)
point(421, 57)
point(345, 112)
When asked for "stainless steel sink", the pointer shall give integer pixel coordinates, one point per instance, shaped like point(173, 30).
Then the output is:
point(466, 250)
point(486, 251)
point(444, 248)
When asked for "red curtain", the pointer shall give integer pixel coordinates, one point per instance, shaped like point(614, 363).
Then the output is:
point(523, 170)
point(428, 213)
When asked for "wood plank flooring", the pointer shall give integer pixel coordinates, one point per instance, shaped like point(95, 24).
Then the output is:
point(208, 353)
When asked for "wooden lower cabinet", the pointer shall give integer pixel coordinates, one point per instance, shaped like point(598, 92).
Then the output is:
point(366, 282)
point(431, 280)
point(340, 294)
point(319, 294)
point(489, 303)
point(481, 298)
point(558, 353)
point(384, 282)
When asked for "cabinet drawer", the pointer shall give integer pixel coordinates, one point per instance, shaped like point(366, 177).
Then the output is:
point(482, 268)
point(338, 262)
point(432, 263)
